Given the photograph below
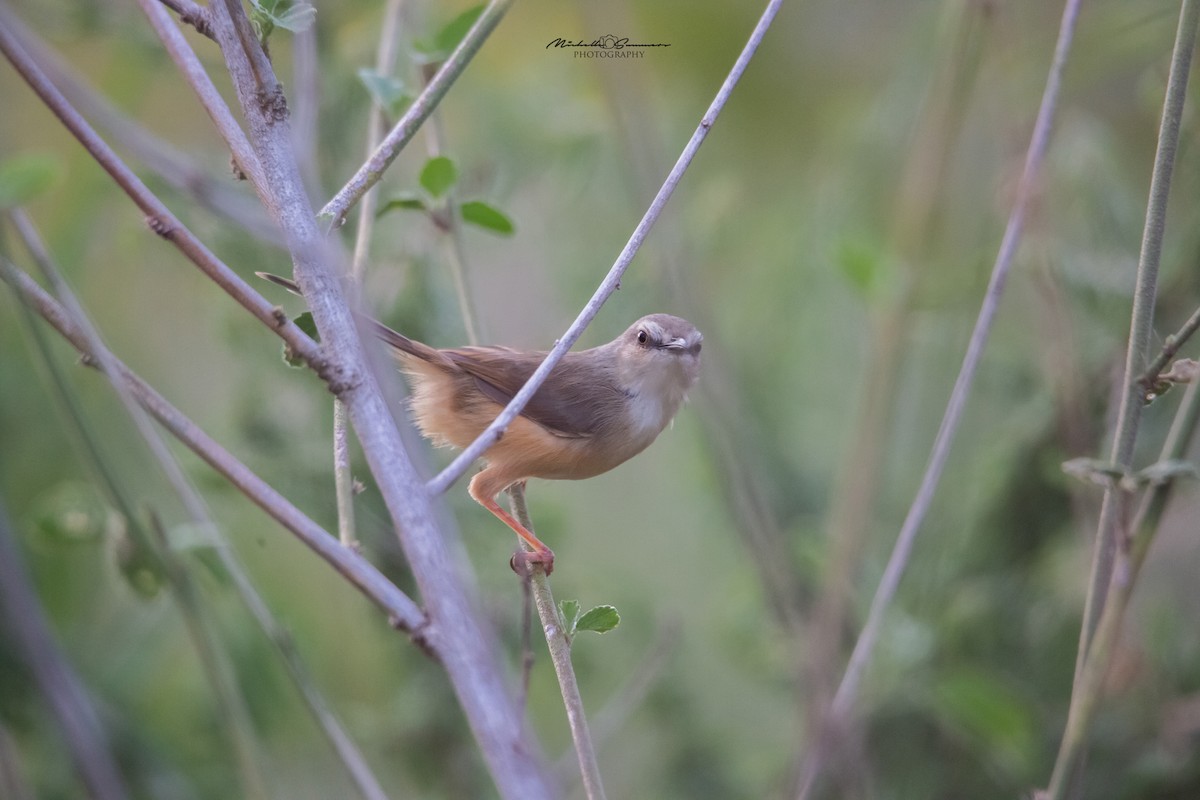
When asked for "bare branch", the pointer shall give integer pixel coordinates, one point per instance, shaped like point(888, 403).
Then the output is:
point(1171, 345)
point(467, 651)
point(191, 13)
point(1102, 616)
point(160, 218)
point(242, 731)
point(370, 172)
point(403, 613)
point(560, 656)
point(174, 167)
point(864, 648)
point(612, 281)
point(193, 72)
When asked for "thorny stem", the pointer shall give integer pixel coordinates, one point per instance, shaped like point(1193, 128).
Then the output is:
point(864, 648)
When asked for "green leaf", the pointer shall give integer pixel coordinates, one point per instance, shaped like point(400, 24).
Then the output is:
point(479, 213)
point(24, 177)
point(985, 711)
point(201, 541)
point(568, 612)
point(861, 264)
point(387, 92)
point(438, 175)
point(305, 323)
point(1101, 473)
point(600, 619)
point(71, 513)
point(298, 17)
point(266, 15)
point(444, 41)
point(1166, 471)
point(406, 201)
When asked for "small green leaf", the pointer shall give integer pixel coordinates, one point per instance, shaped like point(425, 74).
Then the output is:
point(438, 175)
point(305, 323)
point(479, 213)
point(387, 92)
point(71, 513)
point(1166, 471)
point(406, 201)
point(266, 15)
point(568, 612)
point(444, 41)
point(861, 264)
point(138, 563)
point(1101, 473)
point(201, 541)
point(24, 177)
point(600, 619)
point(297, 18)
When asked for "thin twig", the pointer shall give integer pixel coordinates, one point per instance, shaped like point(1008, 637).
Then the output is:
point(458, 467)
point(560, 656)
point(159, 217)
point(318, 707)
point(1170, 347)
point(855, 494)
point(468, 652)
point(30, 640)
point(191, 13)
point(385, 61)
point(403, 613)
point(847, 691)
point(1102, 617)
point(448, 222)
point(403, 131)
point(1141, 327)
point(178, 170)
point(206, 92)
point(1087, 694)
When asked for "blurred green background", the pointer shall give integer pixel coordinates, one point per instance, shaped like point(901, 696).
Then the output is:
point(832, 240)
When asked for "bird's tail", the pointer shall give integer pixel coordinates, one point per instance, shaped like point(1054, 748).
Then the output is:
point(398, 342)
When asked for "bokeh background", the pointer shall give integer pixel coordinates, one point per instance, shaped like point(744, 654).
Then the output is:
point(832, 240)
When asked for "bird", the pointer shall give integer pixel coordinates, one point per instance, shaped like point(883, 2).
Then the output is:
point(597, 409)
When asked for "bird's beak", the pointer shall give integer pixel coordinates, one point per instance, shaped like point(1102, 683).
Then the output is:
point(675, 344)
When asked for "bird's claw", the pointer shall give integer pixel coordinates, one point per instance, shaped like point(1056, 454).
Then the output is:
point(523, 560)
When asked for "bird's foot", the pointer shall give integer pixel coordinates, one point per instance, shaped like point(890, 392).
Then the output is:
point(522, 561)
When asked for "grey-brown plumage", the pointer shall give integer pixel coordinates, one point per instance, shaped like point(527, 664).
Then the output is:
point(596, 409)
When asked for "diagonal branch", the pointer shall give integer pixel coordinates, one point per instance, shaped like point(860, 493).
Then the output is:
point(402, 133)
point(467, 650)
point(160, 218)
point(235, 711)
point(178, 170)
point(612, 281)
point(847, 692)
point(403, 613)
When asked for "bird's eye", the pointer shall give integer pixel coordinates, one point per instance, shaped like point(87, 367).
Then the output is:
point(642, 337)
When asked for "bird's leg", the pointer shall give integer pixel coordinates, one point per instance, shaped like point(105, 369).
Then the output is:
point(541, 553)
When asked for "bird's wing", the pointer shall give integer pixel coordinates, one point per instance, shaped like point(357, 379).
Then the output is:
point(564, 406)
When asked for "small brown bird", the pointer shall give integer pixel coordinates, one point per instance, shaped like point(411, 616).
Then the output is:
point(597, 409)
